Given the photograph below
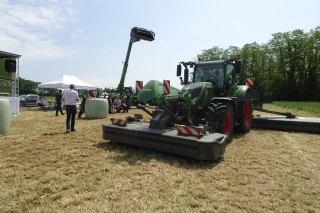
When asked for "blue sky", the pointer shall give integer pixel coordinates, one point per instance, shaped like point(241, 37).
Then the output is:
point(89, 38)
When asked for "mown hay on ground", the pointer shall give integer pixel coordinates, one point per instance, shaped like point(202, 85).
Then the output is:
point(43, 169)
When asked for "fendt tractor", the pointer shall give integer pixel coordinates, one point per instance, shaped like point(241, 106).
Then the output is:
point(199, 121)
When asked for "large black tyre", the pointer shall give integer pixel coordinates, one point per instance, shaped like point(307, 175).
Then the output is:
point(222, 114)
point(245, 114)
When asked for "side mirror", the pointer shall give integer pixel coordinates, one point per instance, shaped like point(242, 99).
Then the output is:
point(186, 76)
point(178, 70)
point(237, 66)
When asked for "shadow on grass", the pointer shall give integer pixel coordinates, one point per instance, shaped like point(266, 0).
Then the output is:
point(56, 133)
point(237, 136)
point(136, 155)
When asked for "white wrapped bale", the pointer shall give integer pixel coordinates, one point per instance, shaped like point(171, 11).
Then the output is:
point(5, 116)
point(97, 108)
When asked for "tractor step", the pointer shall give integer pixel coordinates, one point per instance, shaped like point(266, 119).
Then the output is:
point(299, 124)
point(207, 147)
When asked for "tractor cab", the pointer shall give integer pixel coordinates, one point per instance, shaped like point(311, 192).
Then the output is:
point(221, 74)
point(213, 72)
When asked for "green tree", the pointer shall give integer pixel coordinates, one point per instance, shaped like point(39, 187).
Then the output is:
point(287, 67)
point(28, 86)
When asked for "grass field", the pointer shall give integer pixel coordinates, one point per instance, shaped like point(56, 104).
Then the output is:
point(310, 107)
point(44, 169)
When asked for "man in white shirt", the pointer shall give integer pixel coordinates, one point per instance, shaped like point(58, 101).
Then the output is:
point(71, 97)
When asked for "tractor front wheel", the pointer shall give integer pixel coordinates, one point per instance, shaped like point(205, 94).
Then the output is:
point(245, 114)
point(222, 114)
point(227, 123)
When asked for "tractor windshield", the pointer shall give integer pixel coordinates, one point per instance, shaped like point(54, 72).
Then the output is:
point(209, 72)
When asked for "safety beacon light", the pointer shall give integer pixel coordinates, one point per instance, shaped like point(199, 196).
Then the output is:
point(141, 33)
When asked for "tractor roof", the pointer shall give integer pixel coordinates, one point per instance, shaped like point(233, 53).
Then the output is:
point(212, 62)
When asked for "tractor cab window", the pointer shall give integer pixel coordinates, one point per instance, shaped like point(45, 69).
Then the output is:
point(229, 72)
point(209, 73)
point(229, 69)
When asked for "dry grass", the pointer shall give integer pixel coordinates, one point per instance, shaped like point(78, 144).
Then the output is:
point(43, 169)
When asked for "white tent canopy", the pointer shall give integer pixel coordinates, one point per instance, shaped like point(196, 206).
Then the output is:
point(64, 81)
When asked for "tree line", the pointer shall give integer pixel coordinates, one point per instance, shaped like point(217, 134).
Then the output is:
point(287, 67)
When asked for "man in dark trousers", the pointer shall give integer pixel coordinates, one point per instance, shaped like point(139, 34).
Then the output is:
point(83, 103)
point(71, 97)
point(58, 103)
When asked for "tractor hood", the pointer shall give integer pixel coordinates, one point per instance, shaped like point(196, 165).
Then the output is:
point(193, 86)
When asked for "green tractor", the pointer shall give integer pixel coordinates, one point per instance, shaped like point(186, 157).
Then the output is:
point(212, 98)
point(199, 120)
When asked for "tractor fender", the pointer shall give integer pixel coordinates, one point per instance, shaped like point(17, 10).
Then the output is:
point(241, 92)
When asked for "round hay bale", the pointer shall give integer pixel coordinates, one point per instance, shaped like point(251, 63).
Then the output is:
point(97, 108)
point(5, 116)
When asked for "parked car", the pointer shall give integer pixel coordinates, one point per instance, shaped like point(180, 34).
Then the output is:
point(28, 100)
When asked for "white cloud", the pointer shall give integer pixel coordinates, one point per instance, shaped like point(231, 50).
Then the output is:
point(28, 27)
point(80, 30)
point(78, 33)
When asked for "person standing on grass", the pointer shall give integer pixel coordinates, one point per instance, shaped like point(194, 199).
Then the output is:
point(71, 97)
point(83, 103)
point(58, 103)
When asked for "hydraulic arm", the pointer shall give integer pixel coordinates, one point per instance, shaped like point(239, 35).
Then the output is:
point(136, 35)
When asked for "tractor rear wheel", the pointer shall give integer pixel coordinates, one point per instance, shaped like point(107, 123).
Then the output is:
point(245, 114)
point(222, 114)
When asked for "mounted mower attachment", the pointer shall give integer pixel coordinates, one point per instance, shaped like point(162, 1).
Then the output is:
point(181, 140)
point(285, 121)
point(297, 124)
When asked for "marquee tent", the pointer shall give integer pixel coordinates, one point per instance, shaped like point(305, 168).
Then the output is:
point(64, 81)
